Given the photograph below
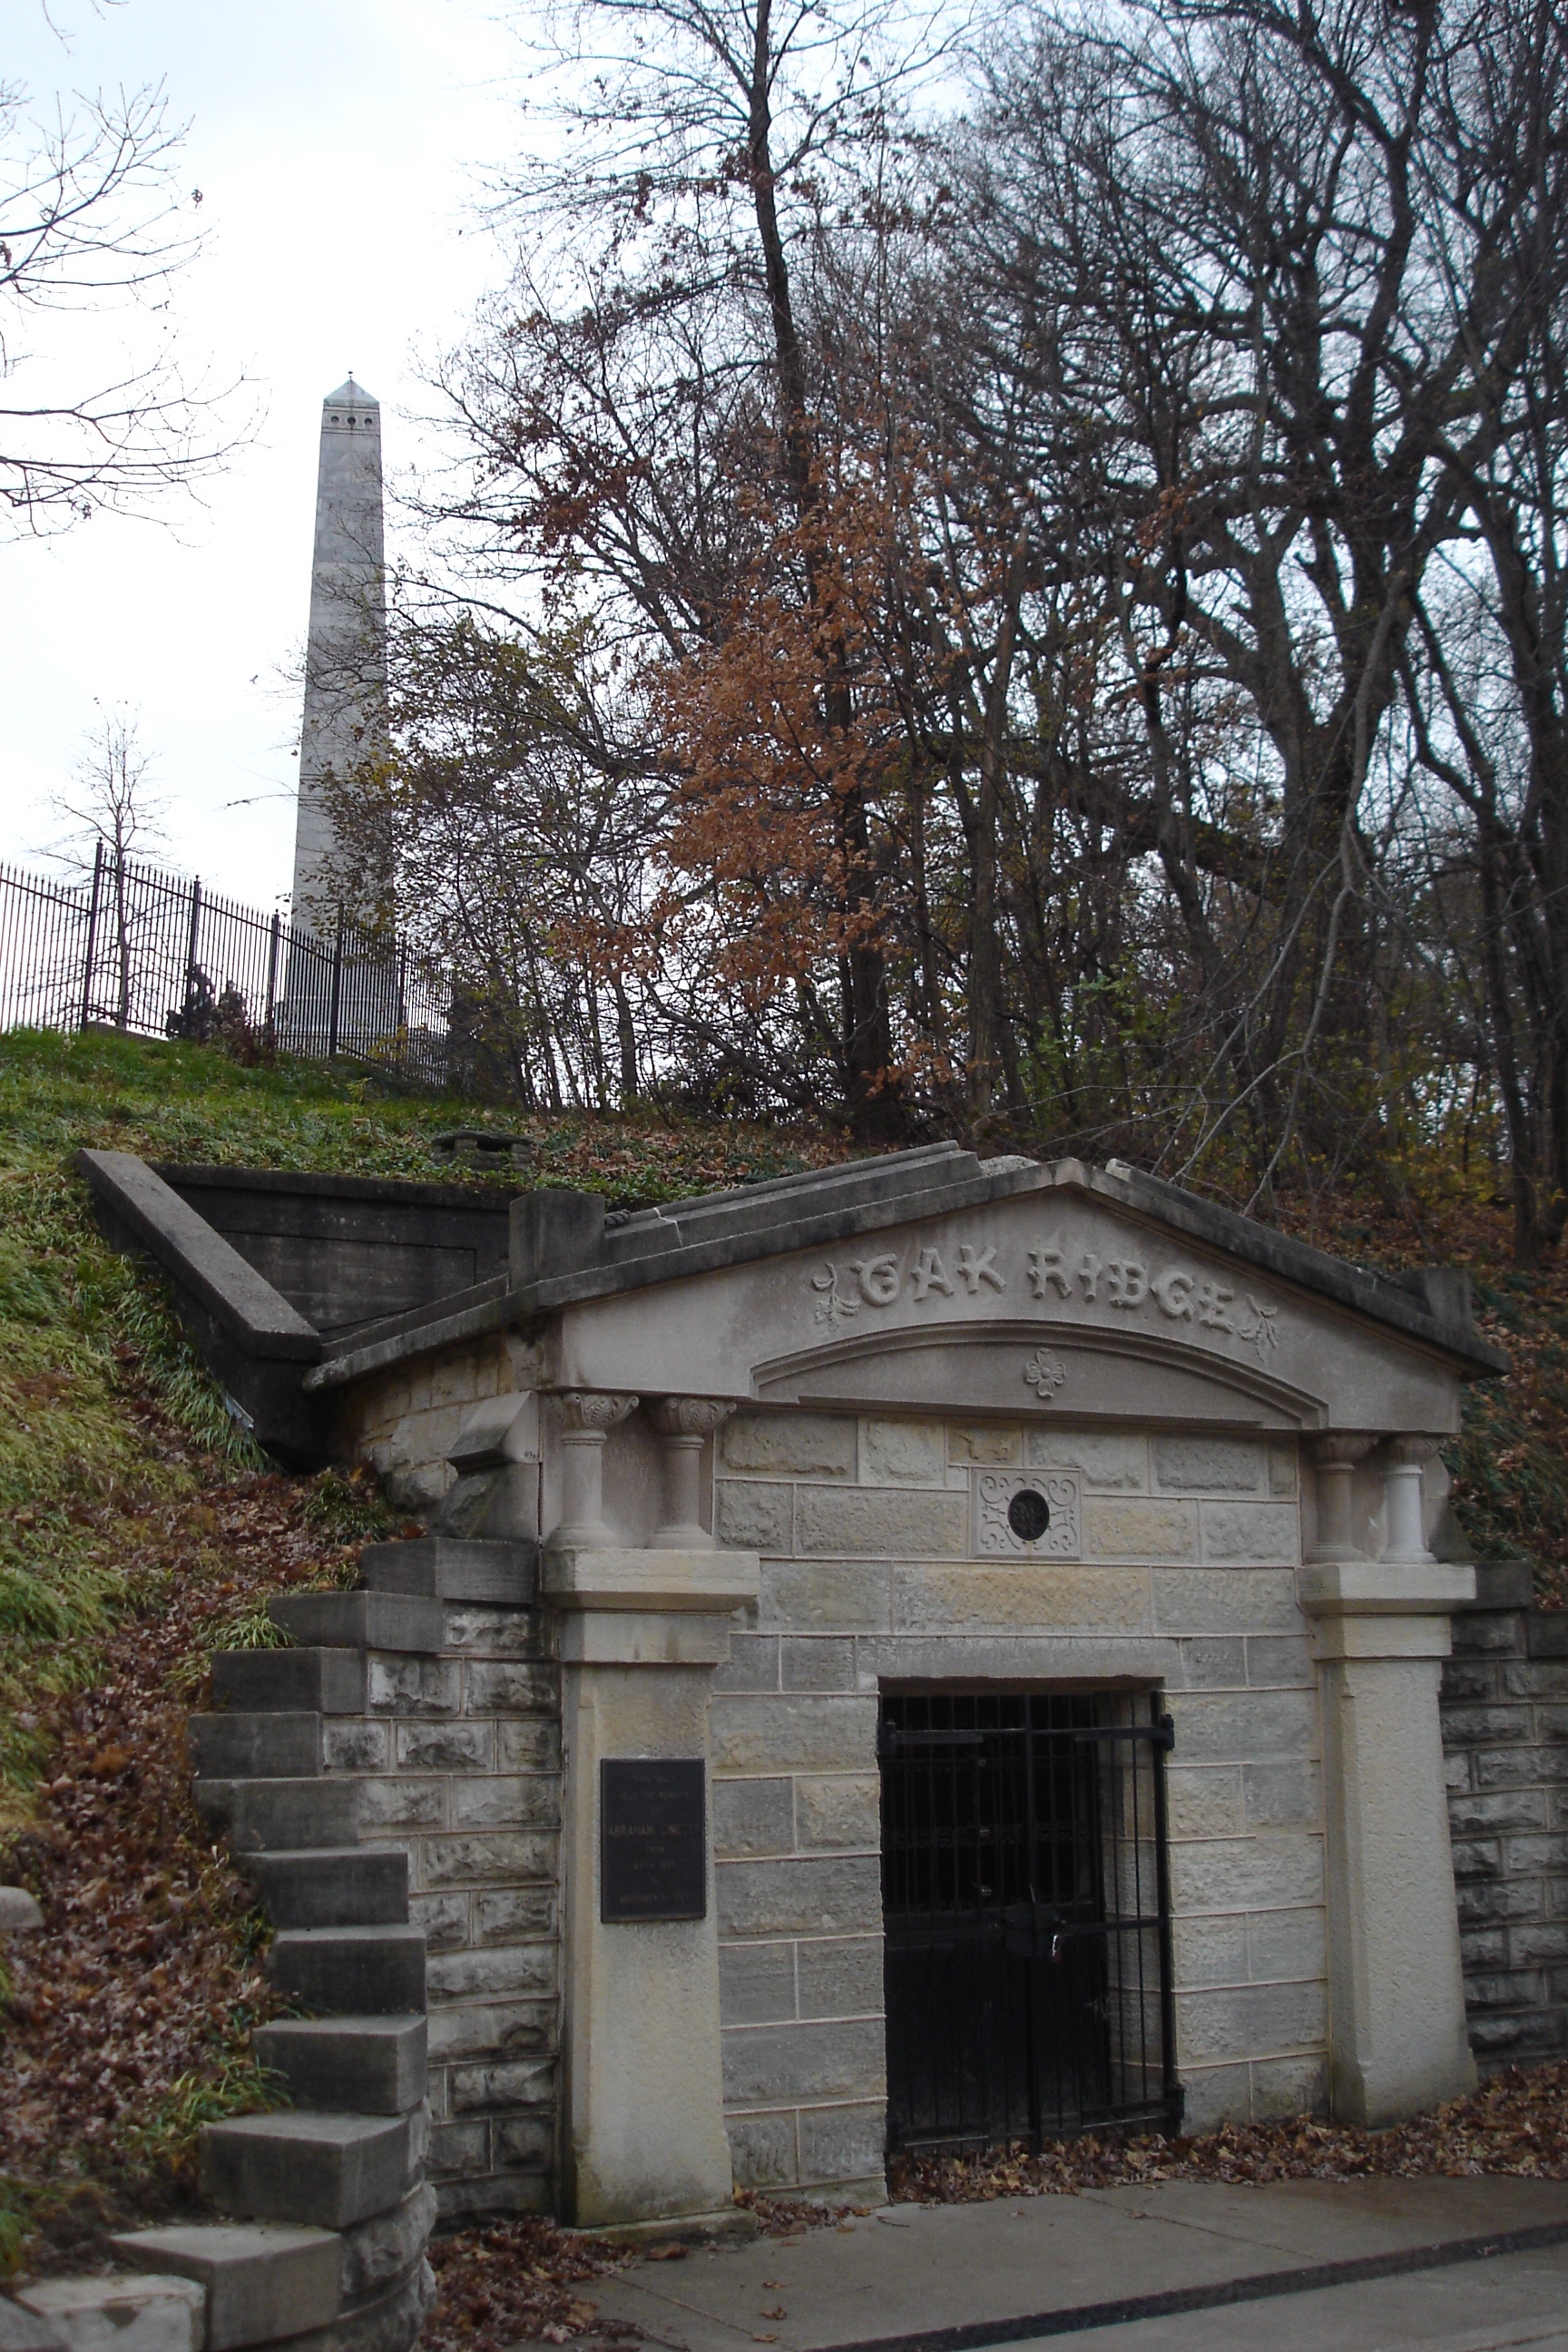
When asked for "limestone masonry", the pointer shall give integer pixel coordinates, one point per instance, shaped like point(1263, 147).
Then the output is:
point(924, 1652)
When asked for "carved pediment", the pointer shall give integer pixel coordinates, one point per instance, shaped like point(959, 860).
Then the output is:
point(1047, 1302)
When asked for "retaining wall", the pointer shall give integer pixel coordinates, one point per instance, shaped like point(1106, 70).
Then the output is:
point(1505, 1734)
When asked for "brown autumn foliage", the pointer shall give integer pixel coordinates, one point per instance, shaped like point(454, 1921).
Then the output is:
point(1516, 2125)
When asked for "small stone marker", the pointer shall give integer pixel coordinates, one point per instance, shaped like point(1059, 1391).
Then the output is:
point(19, 1914)
point(24, 2331)
point(653, 1861)
point(122, 2314)
point(483, 1147)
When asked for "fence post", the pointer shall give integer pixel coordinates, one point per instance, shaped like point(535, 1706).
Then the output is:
point(337, 985)
point(195, 940)
point(91, 932)
point(402, 1044)
point(272, 968)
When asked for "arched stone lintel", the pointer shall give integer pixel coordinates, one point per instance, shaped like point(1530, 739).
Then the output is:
point(1013, 1368)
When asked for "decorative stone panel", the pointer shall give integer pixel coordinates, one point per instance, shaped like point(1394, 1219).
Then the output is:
point(994, 1532)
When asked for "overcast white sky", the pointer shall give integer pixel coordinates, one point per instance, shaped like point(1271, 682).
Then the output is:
point(334, 143)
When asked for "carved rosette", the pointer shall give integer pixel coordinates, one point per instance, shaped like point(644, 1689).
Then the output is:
point(684, 1424)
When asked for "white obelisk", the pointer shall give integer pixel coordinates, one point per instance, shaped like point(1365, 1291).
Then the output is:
point(345, 656)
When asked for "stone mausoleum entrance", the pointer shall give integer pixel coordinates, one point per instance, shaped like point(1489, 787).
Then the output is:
point(1027, 1915)
point(866, 1536)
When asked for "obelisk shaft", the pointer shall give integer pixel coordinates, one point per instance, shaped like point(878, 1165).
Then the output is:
point(345, 660)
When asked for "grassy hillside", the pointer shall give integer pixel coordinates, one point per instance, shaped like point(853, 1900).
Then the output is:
point(139, 1529)
point(90, 1358)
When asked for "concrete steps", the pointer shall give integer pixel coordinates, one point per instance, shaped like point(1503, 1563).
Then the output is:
point(364, 2065)
point(329, 2170)
point(271, 1815)
point(333, 1887)
point(448, 1568)
point(327, 2216)
point(351, 1971)
point(362, 1620)
point(318, 1682)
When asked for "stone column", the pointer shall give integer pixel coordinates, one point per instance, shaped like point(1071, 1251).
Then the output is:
point(684, 1424)
point(1336, 1458)
point(1380, 1632)
point(585, 1418)
point(641, 1632)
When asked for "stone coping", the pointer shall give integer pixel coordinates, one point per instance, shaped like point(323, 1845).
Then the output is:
point(808, 1213)
point(199, 1261)
point(600, 1256)
point(401, 1192)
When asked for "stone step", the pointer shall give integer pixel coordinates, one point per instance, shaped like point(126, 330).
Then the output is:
point(361, 1621)
point(329, 2170)
point(269, 1814)
point(370, 2065)
point(327, 1682)
point(334, 1886)
point(158, 2314)
point(24, 2331)
point(263, 2281)
point(448, 1568)
point(351, 1971)
point(255, 1746)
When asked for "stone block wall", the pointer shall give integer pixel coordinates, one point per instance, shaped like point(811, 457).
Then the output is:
point(1505, 1738)
point(887, 1558)
point(458, 1758)
point(402, 1421)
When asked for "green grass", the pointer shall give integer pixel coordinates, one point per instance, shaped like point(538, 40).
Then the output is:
point(82, 1327)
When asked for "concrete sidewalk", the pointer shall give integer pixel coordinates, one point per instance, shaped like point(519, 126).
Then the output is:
point(1242, 2266)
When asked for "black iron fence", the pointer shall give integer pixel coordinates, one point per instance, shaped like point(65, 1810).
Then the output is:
point(147, 952)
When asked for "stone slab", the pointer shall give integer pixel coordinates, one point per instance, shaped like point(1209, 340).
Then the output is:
point(918, 2269)
point(361, 1621)
point(449, 1568)
point(262, 2281)
point(19, 1914)
point(329, 2170)
point(368, 2065)
point(333, 1887)
point(24, 2331)
point(154, 2314)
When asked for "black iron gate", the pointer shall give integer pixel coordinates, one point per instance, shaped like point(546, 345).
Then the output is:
point(1026, 1912)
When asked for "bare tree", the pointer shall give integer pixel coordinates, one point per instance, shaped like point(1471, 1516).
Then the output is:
point(93, 221)
point(112, 812)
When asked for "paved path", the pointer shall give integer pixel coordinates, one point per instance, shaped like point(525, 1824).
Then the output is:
point(1243, 2267)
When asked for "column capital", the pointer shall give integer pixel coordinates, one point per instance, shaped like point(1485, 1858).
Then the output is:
point(693, 1417)
point(590, 1412)
point(1341, 1447)
point(1408, 1453)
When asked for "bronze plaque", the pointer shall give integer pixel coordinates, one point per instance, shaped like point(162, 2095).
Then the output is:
point(653, 1845)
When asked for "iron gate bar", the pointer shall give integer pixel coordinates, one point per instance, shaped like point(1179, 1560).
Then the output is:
point(1027, 1933)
